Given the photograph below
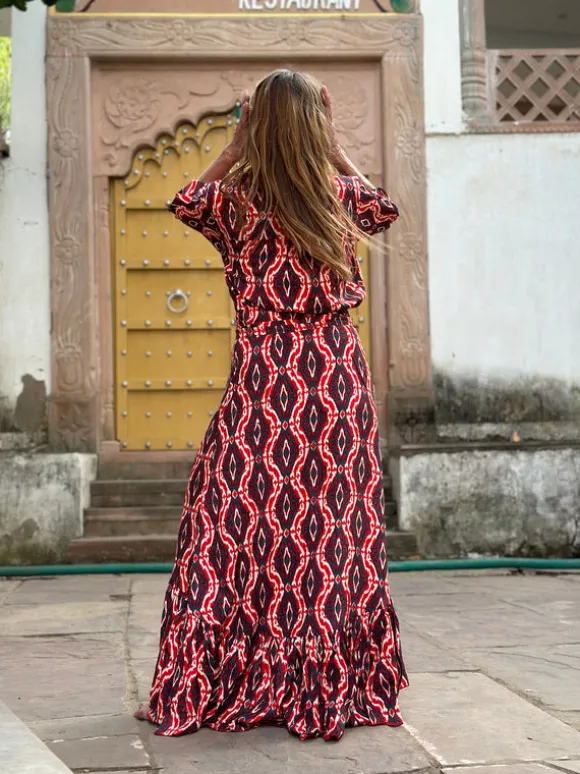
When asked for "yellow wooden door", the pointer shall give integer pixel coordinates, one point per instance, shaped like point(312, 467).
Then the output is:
point(174, 319)
point(361, 315)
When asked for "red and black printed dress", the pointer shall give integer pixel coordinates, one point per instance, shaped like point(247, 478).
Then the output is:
point(278, 610)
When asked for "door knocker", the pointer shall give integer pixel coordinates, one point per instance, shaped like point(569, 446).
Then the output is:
point(175, 296)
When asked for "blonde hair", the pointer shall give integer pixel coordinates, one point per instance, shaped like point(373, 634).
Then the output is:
point(285, 169)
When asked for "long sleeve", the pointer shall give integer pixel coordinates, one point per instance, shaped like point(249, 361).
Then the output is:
point(371, 211)
point(197, 205)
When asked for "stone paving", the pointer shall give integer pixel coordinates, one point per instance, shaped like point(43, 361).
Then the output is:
point(494, 661)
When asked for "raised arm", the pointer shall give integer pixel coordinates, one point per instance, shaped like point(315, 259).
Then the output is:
point(369, 207)
point(231, 153)
point(338, 157)
point(199, 204)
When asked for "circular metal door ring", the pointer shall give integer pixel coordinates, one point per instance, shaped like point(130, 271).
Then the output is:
point(177, 295)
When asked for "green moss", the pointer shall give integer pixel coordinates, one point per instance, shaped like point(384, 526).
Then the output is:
point(31, 554)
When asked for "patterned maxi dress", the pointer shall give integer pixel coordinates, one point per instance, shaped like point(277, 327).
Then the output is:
point(278, 609)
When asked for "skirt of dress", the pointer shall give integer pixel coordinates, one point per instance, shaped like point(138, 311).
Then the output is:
point(278, 609)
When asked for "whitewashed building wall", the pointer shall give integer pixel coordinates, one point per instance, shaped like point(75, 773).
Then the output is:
point(504, 278)
point(504, 258)
point(24, 249)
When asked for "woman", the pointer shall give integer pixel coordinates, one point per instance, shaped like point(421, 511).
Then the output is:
point(278, 610)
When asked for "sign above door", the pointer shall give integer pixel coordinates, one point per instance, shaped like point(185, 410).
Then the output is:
point(222, 7)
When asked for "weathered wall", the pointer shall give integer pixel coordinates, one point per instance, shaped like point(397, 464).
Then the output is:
point(24, 254)
point(442, 71)
point(504, 311)
point(504, 272)
point(503, 235)
point(42, 500)
point(509, 503)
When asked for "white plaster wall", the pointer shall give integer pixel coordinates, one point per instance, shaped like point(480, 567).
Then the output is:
point(43, 498)
point(24, 249)
point(503, 232)
point(504, 251)
point(442, 72)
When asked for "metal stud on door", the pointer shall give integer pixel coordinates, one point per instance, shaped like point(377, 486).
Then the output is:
point(173, 313)
point(361, 315)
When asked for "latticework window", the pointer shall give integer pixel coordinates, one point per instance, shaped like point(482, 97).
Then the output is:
point(537, 86)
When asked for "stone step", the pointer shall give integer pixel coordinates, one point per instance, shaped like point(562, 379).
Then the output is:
point(161, 548)
point(132, 522)
point(133, 466)
point(157, 520)
point(130, 549)
point(171, 492)
point(144, 492)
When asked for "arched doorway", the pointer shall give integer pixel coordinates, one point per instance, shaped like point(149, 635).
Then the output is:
point(116, 82)
point(173, 317)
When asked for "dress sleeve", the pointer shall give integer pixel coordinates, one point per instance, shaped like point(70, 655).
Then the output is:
point(371, 211)
point(198, 206)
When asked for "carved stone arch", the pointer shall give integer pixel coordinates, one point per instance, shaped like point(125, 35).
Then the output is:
point(92, 140)
point(133, 109)
point(183, 130)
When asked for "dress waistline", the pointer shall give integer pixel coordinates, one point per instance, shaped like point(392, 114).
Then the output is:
point(252, 321)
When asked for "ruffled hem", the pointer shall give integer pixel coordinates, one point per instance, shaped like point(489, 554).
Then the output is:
point(208, 676)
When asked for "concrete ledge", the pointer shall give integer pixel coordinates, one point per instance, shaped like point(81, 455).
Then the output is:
point(42, 502)
point(485, 501)
point(21, 752)
point(546, 432)
point(18, 442)
point(454, 447)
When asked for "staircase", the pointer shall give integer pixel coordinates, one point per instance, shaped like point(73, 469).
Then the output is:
point(136, 507)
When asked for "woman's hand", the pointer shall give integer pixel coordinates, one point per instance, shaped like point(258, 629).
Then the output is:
point(233, 152)
point(338, 156)
point(236, 147)
point(336, 152)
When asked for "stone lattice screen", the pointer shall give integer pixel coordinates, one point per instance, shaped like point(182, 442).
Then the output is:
point(532, 87)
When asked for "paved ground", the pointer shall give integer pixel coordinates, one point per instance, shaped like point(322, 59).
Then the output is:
point(494, 661)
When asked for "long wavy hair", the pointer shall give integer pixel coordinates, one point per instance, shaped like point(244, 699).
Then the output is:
point(285, 169)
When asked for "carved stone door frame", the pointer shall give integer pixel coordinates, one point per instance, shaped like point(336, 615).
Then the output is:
point(81, 412)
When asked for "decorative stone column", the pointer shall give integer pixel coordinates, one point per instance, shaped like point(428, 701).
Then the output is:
point(474, 78)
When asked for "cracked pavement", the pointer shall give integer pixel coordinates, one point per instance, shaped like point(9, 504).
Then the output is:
point(494, 660)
